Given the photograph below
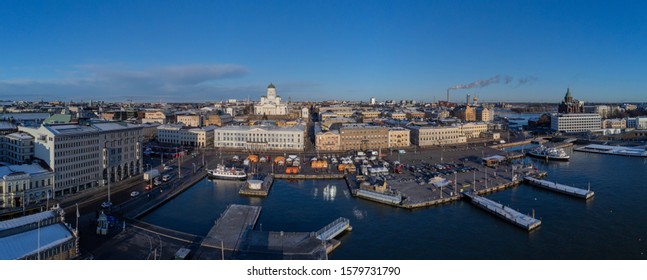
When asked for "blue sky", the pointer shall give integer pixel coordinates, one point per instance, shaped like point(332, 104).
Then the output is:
point(319, 50)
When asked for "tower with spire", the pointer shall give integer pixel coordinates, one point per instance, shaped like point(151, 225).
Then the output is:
point(570, 105)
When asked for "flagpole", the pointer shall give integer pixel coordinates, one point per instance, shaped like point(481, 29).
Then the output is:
point(77, 218)
point(38, 251)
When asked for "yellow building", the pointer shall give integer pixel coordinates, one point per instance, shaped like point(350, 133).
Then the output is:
point(473, 130)
point(327, 141)
point(399, 137)
point(465, 113)
point(363, 137)
point(437, 136)
point(218, 120)
point(189, 120)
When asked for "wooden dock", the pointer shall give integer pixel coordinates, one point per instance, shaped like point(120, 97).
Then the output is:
point(553, 186)
point(263, 192)
point(524, 221)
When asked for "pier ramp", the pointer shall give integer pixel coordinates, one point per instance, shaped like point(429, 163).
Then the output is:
point(572, 191)
point(506, 213)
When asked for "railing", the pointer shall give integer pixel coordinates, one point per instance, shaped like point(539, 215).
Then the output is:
point(327, 232)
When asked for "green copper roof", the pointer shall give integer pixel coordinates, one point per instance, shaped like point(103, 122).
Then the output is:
point(58, 118)
point(568, 92)
point(271, 86)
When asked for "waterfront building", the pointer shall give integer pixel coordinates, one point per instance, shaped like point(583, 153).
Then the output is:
point(465, 113)
point(473, 130)
point(84, 156)
point(263, 137)
point(40, 236)
point(399, 137)
point(24, 184)
point(328, 140)
point(484, 114)
point(179, 135)
point(271, 104)
point(191, 120)
point(436, 135)
point(575, 122)
point(218, 119)
point(570, 105)
point(363, 137)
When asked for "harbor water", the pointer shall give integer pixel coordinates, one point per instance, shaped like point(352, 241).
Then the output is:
point(611, 225)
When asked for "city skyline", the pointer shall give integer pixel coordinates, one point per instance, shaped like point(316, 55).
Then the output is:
point(210, 51)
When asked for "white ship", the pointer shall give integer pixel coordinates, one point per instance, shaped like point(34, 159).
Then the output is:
point(549, 153)
point(227, 173)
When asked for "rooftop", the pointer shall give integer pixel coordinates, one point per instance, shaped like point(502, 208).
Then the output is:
point(27, 243)
point(32, 169)
point(26, 220)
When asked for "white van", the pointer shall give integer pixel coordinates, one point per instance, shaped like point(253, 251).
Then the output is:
point(166, 177)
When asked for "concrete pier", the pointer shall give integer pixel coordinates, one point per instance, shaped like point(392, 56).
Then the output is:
point(231, 226)
point(572, 191)
point(263, 192)
point(526, 222)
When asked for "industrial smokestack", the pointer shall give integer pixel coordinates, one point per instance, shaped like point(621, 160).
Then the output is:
point(467, 102)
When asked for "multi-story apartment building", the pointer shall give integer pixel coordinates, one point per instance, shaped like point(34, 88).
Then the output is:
point(398, 115)
point(473, 130)
point(484, 114)
point(575, 122)
point(18, 148)
point(24, 184)
point(154, 117)
point(260, 137)
point(363, 137)
point(614, 123)
point(399, 137)
point(465, 113)
point(368, 116)
point(327, 141)
point(180, 135)
point(191, 120)
point(436, 135)
point(84, 156)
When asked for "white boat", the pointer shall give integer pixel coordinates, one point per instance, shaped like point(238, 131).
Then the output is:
point(549, 153)
point(227, 173)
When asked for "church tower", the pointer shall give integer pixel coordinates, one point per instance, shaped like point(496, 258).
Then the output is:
point(271, 92)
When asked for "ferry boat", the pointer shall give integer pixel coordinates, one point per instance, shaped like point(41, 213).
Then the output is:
point(549, 153)
point(227, 173)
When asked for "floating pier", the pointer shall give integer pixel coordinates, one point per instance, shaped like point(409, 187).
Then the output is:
point(572, 191)
point(613, 150)
point(507, 213)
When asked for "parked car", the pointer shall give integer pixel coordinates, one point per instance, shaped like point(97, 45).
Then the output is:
point(106, 204)
point(134, 194)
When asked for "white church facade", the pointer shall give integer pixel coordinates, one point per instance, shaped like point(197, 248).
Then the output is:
point(271, 104)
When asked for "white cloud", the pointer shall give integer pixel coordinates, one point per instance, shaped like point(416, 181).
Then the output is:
point(110, 82)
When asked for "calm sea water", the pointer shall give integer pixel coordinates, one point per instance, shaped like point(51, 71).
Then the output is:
point(612, 225)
